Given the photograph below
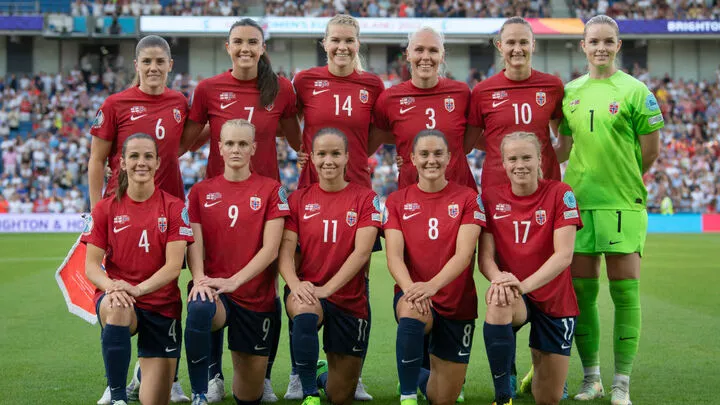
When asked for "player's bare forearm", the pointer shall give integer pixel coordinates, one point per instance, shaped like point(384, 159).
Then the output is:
point(170, 271)
point(563, 241)
point(93, 271)
point(465, 247)
point(395, 246)
point(286, 259)
point(96, 179)
point(563, 148)
point(193, 137)
point(650, 149)
point(488, 267)
point(272, 233)
point(289, 128)
point(378, 137)
point(472, 136)
point(364, 239)
point(196, 253)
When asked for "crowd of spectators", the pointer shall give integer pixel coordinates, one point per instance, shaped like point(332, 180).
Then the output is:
point(648, 9)
point(45, 121)
point(136, 8)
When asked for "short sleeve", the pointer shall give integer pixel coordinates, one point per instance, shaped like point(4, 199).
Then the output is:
point(278, 206)
point(475, 117)
point(194, 205)
point(95, 230)
point(489, 225)
point(473, 211)
point(290, 109)
point(646, 114)
point(291, 222)
point(390, 216)
point(297, 84)
point(105, 124)
point(566, 208)
point(380, 117)
point(370, 211)
point(560, 92)
point(198, 104)
point(179, 223)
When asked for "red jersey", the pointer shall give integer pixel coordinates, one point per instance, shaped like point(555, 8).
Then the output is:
point(162, 117)
point(345, 103)
point(430, 223)
point(233, 217)
point(502, 106)
point(523, 229)
point(134, 236)
point(222, 98)
point(406, 110)
point(326, 224)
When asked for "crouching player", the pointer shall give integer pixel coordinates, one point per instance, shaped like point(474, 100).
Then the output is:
point(526, 255)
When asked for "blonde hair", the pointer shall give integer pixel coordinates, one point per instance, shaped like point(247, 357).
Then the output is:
point(438, 35)
point(602, 19)
point(237, 124)
point(344, 19)
point(515, 20)
point(527, 137)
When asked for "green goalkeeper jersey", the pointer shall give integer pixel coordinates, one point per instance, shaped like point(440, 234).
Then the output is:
point(606, 117)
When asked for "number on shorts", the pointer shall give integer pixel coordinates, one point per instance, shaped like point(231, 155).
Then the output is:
point(362, 330)
point(467, 335)
point(266, 328)
point(171, 332)
point(619, 213)
point(433, 231)
point(569, 324)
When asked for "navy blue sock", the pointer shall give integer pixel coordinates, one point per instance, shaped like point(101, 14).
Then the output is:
point(499, 344)
point(116, 353)
point(293, 367)
point(238, 401)
point(216, 350)
point(322, 381)
point(409, 353)
point(307, 350)
point(197, 343)
point(423, 380)
point(274, 337)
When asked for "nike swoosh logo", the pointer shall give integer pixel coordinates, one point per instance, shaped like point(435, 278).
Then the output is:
point(406, 216)
point(404, 110)
point(199, 360)
point(260, 348)
point(316, 92)
point(300, 364)
point(169, 350)
point(498, 376)
point(224, 106)
point(497, 103)
point(614, 243)
point(210, 205)
point(306, 216)
point(357, 349)
point(564, 346)
point(627, 338)
point(134, 118)
point(403, 361)
point(116, 230)
point(460, 353)
point(495, 216)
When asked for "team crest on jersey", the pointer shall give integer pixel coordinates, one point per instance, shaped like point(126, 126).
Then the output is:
point(407, 101)
point(540, 217)
point(453, 210)
point(614, 107)
point(270, 107)
point(138, 109)
point(450, 104)
point(499, 95)
point(255, 203)
point(177, 115)
point(99, 119)
point(411, 206)
point(227, 96)
point(322, 83)
point(351, 218)
point(364, 96)
point(162, 224)
point(540, 98)
point(503, 207)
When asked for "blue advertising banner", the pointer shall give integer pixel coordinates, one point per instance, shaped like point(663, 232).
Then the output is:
point(21, 23)
point(669, 27)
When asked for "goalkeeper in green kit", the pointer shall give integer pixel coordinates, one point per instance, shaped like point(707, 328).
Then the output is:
point(610, 133)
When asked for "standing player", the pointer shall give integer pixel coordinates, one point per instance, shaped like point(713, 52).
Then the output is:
point(526, 255)
point(250, 90)
point(610, 132)
point(335, 223)
point(431, 229)
point(141, 232)
point(243, 210)
point(518, 98)
point(340, 95)
point(427, 101)
point(146, 107)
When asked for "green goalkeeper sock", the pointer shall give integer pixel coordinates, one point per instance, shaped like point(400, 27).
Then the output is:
point(587, 330)
point(626, 296)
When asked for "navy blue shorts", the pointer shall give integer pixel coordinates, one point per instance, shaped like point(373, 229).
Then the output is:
point(249, 331)
point(377, 246)
point(547, 333)
point(158, 335)
point(450, 339)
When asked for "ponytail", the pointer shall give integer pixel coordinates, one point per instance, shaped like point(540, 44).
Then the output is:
point(267, 81)
point(122, 185)
point(123, 181)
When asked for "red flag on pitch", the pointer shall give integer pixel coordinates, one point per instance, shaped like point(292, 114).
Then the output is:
point(78, 291)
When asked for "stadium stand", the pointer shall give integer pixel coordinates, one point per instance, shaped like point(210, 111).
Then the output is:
point(648, 9)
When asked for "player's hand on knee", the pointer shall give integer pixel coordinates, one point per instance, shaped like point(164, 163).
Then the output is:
point(420, 291)
point(220, 285)
point(202, 292)
point(120, 299)
point(510, 281)
point(304, 293)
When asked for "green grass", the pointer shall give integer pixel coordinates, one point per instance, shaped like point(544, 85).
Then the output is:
point(50, 356)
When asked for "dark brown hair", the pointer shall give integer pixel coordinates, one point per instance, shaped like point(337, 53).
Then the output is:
point(425, 133)
point(122, 183)
point(150, 41)
point(267, 80)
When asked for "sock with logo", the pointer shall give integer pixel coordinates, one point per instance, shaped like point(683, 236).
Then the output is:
point(626, 297)
point(307, 350)
point(499, 345)
point(587, 329)
point(409, 353)
point(216, 352)
point(274, 337)
point(197, 342)
point(116, 353)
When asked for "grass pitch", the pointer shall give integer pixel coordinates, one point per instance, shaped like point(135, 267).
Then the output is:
point(52, 357)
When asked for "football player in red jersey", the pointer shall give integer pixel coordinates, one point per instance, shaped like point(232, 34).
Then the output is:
point(146, 107)
point(335, 223)
point(142, 233)
point(244, 210)
point(250, 90)
point(431, 229)
point(517, 98)
point(340, 95)
point(526, 256)
point(427, 101)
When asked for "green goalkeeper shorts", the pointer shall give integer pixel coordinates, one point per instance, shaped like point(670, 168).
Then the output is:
point(612, 231)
